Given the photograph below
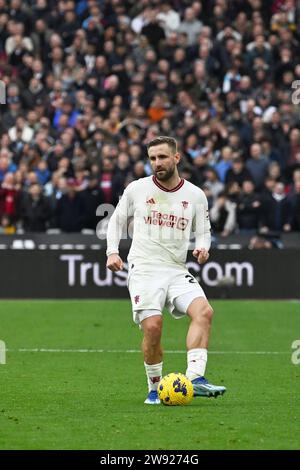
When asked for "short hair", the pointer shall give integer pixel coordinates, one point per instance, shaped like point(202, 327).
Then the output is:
point(162, 139)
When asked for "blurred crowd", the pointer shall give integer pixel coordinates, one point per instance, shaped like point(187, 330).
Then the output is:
point(90, 82)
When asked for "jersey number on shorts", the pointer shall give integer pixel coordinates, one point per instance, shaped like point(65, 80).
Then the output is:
point(191, 279)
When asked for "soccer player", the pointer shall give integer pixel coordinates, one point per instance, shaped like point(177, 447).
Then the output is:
point(166, 209)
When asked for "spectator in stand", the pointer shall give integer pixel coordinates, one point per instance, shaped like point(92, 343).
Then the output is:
point(294, 145)
point(238, 172)
point(296, 166)
point(295, 207)
point(233, 191)
point(21, 130)
point(152, 30)
point(257, 165)
point(112, 185)
point(42, 172)
point(225, 163)
point(168, 18)
point(272, 154)
point(9, 198)
point(92, 198)
point(277, 211)
point(138, 170)
point(6, 165)
point(223, 216)
point(274, 171)
point(35, 210)
point(212, 183)
point(70, 210)
point(248, 208)
point(55, 189)
point(190, 26)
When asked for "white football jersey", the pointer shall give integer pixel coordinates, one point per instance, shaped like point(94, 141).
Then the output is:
point(163, 221)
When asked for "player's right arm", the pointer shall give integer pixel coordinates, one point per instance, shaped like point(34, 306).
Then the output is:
point(114, 262)
point(201, 226)
point(115, 227)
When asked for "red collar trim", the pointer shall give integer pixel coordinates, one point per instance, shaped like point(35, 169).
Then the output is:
point(155, 181)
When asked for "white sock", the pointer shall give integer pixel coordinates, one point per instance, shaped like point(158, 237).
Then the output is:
point(196, 359)
point(154, 374)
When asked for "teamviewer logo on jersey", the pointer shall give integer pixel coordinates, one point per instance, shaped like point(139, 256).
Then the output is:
point(185, 204)
point(150, 201)
point(137, 299)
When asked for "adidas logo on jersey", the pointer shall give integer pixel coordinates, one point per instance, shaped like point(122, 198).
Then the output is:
point(150, 201)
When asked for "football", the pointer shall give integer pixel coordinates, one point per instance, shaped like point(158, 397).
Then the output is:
point(175, 389)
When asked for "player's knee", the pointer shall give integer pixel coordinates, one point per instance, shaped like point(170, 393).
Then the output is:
point(201, 311)
point(152, 328)
point(208, 312)
point(153, 331)
point(204, 313)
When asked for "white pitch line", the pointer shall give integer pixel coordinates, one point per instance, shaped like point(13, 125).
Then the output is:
point(130, 351)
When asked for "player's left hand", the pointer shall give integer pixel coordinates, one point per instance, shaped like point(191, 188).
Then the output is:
point(201, 254)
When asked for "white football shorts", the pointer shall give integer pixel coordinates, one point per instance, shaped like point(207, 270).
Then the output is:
point(156, 287)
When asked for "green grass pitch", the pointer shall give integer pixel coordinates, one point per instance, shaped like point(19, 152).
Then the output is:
point(64, 398)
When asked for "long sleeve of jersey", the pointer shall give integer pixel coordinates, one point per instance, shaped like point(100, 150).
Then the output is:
point(201, 224)
point(118, 221)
